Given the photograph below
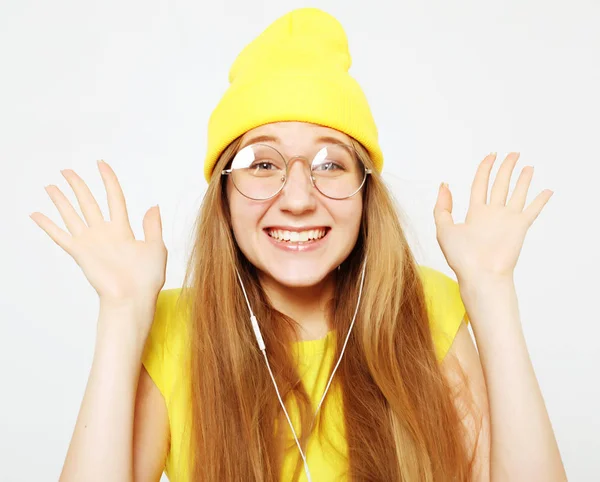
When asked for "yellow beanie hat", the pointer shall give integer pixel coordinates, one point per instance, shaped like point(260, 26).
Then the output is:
point(295, 70)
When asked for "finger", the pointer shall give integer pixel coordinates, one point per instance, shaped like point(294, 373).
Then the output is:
point(519, 196)
point(152, 225)
point(502, 181)
point(536, 206)
point(60, 237)
point(114, 195)
point(479, 189)
point(72, 220)
point(442, 211)
point(89, 207)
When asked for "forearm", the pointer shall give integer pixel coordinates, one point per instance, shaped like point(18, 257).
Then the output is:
point(523, 445)
point(101, 446)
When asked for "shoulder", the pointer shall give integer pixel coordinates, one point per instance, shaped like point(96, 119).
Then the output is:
point(165, 342)
point(444, 306)
point(168, 318)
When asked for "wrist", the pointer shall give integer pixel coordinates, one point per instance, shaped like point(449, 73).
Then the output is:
point(481, 285)
point(127, 322)
point(137, 307)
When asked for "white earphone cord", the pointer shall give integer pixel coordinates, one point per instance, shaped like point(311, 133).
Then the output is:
point(261, 345)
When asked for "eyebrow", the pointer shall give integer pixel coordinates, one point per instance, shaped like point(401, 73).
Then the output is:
point(269, 138)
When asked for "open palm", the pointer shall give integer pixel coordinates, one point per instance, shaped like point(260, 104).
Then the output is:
point(119, 267)
point(489, 242)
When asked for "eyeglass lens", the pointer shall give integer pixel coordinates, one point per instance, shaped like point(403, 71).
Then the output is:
point(258, 171)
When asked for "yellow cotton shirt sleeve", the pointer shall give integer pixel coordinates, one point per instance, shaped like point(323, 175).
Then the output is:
point(445, 307)
point(164, 358)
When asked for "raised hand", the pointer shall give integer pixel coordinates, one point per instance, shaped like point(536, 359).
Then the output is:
point(489, 242)
point(120, 268)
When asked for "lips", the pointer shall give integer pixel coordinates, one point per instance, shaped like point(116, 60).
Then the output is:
point(292, 239)
point(301, 236)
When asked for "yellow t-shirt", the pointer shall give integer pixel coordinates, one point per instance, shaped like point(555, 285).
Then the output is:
point(164, 359)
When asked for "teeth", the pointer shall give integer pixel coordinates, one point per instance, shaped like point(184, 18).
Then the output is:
point(295, 236)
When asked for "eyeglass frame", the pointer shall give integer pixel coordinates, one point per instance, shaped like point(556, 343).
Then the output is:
point(227, 172)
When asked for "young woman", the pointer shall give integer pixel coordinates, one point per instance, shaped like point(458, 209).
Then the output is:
point(306, 343)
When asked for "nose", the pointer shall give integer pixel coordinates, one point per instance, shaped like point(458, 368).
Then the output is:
point(298, 194)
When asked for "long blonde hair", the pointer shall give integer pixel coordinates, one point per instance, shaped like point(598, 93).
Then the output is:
point(401, 422)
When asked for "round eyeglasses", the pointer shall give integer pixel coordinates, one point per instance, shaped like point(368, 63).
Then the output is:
point(260, 171)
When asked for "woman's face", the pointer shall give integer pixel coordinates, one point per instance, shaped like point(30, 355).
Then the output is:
point(261, 227)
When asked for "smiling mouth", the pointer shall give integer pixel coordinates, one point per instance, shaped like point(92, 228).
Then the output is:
point(297, 237)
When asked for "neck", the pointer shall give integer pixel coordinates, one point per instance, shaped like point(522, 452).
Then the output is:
point(307, 305)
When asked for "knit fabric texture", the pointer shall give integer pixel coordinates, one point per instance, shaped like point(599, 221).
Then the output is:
point(297, 69)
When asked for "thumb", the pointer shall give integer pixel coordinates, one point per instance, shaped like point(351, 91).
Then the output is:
point(442, 211)
point(152, 225)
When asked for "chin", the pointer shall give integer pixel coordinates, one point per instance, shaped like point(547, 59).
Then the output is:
point(297, 276)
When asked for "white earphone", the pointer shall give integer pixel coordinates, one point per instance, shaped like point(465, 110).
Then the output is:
point(261, 346)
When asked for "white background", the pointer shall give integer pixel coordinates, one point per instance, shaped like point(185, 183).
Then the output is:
point(135, 82)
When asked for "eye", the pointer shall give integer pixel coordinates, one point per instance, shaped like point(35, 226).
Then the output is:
point(327, 166)
point(263, 166)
